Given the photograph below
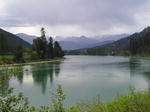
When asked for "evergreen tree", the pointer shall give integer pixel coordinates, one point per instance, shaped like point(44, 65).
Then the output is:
point(50, 48)
point(46, 49)
point(37, 43)
point(58, 50)
point(18, 56)
point(44, 43)
point(40, 45)
point(3, 43)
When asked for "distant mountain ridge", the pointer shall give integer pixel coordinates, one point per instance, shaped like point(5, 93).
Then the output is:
point(141, 39)
point(26, 37)
point(73, 43)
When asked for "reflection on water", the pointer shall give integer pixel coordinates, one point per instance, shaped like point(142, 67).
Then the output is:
point(83, 77)
point(40, 73)
point(140, 67)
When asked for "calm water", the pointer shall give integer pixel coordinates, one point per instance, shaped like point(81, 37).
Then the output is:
point(82, 78)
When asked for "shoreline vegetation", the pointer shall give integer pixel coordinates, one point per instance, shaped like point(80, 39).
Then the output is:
point(33, 62)
point(42, 61)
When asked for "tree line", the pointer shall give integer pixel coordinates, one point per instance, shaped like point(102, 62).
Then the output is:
point(42, 48)
point(3, 44)
point(140, 45)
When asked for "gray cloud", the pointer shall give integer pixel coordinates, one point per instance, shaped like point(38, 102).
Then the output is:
point(89, 14)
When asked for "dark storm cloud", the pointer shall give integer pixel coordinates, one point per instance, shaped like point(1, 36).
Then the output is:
point(90, 14)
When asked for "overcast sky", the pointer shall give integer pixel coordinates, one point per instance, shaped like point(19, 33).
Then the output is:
point(74, 17)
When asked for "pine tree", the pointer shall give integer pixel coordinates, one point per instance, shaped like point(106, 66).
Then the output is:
point(18, 56)
point(44, 43)
point(3, 43)
point(50, 48)
point(58, 50)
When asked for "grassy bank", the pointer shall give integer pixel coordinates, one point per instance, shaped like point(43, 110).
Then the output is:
point(41, 61)
point(133, 102)
point(9, 60)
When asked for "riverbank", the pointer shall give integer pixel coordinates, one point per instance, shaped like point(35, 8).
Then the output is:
point(133, 102)
point(37, 62)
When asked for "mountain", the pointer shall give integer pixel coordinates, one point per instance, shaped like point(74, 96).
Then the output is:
point(92, 39)
point(12, 41)
point(112, 37)
point(74, 43)
point(26, 37)
point(136, 43)
point(69, 45)
point(125, 43)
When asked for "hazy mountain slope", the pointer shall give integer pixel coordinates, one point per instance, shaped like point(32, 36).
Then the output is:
point(13, 40)
point(99, 44)
point(68, 45)
point(73, 43)
point(28, 38)
point(113, 37)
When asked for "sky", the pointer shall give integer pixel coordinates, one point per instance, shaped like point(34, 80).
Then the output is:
point(74, 17)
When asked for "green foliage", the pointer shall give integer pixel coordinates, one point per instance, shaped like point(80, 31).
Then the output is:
point(45, 49)
point(13, 103)
point(34, 55)
point(96, 51)
point(50, 48)
point(9, 41)
point(140, 45)
point(8, 101)
point(41, 49)
point(3, 43)
point(121, 53)
point(58, 50)
point(18, 56)
point(6, 59)
point(57, 100)
point(90, 51)
point(38, 47)
point(133, 102)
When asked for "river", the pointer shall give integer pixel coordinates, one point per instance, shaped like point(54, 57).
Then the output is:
point(82, 78)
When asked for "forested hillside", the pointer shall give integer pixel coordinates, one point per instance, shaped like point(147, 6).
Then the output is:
point(140, 43)
point(135, 44)
point(9, 41)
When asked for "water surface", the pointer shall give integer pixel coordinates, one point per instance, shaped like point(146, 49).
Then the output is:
point(82, 78)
